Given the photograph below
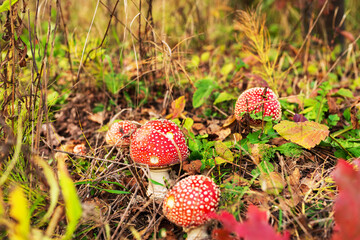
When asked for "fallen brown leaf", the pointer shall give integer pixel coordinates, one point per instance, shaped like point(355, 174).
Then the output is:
point(198, 127)
point(192, 167)
point(55, 139)
point(230, 120)
point(255, 153)
point(294, 178)
point(97, 117)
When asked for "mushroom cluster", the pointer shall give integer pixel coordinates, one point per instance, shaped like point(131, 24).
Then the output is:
point(256, 100)
point(158, 144)
point(189, 202)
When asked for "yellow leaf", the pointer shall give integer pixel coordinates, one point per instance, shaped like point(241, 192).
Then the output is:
point(19, 211)
point(224, 152)
point(306, 134)
point(177, 107)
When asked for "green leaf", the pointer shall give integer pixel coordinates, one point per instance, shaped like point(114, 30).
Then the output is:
point(6, 5)
point(155, 182)
point(290, 149)
point(194, 144)
point(203, 91)
point(224, 96)
point(345, 93)
point(188, 122)
point(240, 64)
point(347, 143)
point(355, 151)
point(347, 114)
point(333, 119)
point(99, 107)
point(196, 155)
point(72, 203)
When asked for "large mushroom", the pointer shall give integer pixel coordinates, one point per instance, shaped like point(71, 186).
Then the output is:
point(258, 99)
point(119, 133)
point(189, 202)
point(158, 144)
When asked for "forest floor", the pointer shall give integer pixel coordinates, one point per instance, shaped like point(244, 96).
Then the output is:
point(80, 84)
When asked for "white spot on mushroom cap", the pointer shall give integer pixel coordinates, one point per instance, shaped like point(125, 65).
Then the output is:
point(154, 160)
point(170, 135)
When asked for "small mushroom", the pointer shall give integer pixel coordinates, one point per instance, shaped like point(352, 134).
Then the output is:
point(158, 144)
point(256, 100)
point(80, 149)
point(189, 202)
point(119, 133)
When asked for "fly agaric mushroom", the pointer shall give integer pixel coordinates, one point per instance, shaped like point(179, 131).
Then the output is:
point(80, 149)
point(189, 202)
point(119, 133)
point(158, 144)
point(256, 100)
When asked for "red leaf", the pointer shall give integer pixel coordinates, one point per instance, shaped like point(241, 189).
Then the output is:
point(256, 227)
point(347, 203)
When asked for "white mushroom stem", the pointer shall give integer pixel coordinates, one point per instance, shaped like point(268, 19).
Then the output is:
point(157, 191)
point(197, 233)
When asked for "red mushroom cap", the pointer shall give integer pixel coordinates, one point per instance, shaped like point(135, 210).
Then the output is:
point(158, 143)
point(189, 202)
point(115, 135)
point(255, 100)
point(80, 149)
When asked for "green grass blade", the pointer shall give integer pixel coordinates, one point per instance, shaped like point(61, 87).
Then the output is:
point(72, 202)
point(16, 155)
point(54, 187)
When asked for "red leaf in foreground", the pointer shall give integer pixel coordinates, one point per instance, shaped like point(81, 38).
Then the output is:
point(256, 226)
point(347, 203)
